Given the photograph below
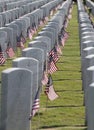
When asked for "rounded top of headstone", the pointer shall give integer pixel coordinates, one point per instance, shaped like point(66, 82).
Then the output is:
point(24, 58)
point(91, 68)
point(88, 48)
point(85, 20)
point(88, 41)
point(31, 48)
point(85, 24)
point(91, 85)
point(90, 56)
point(38, 43)
point(9, 70)
point(86, 36)
point(88, 32)
point(86, 28)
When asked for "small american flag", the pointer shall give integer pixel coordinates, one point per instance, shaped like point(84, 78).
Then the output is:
point(10, 52)
point(2, 57)
point(54, 55)
point(35, 29)
point(66, 24)
point(69, 16)
point(63, 41)
point(35, 108)
point(41, 23)
point(30, 35)
point(66, 35)
point(51, 65)
point(23, 39)
point(46, 18)
point(32, 31)
point(59, 49)
point(70, 10)
point(20, 44)
point(49, 90)
point(45, 78)
point(51, 13)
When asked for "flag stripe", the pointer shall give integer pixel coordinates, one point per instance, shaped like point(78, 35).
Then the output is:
point(52, 68)
point(2, 58)
point(35, 107)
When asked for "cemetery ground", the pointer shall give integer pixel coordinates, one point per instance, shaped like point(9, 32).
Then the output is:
point(67, 112)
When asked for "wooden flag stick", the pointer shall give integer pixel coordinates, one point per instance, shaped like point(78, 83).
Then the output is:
point(47, 62)
point(47, 73)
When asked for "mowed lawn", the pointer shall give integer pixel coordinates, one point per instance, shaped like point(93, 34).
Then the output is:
point(67, 112)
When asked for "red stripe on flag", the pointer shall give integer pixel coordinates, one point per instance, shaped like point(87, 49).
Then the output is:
point(2, 58)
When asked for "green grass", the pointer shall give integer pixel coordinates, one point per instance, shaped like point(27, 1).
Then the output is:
point(67, 112)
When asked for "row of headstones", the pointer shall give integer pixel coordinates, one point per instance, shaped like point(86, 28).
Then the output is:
point(9, 4)
point(90, 4)
point(15, 13)
point(22, 83)
point(86, 35)
point(15, 4)
point(16, 32)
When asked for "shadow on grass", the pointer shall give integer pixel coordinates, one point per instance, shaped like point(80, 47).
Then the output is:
point(65, 106)
point(69, 91)
point(68, 55)
point(57, 126)
point(63, 62)
point(69, 70)
point(65, 79)
point(68, 61)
